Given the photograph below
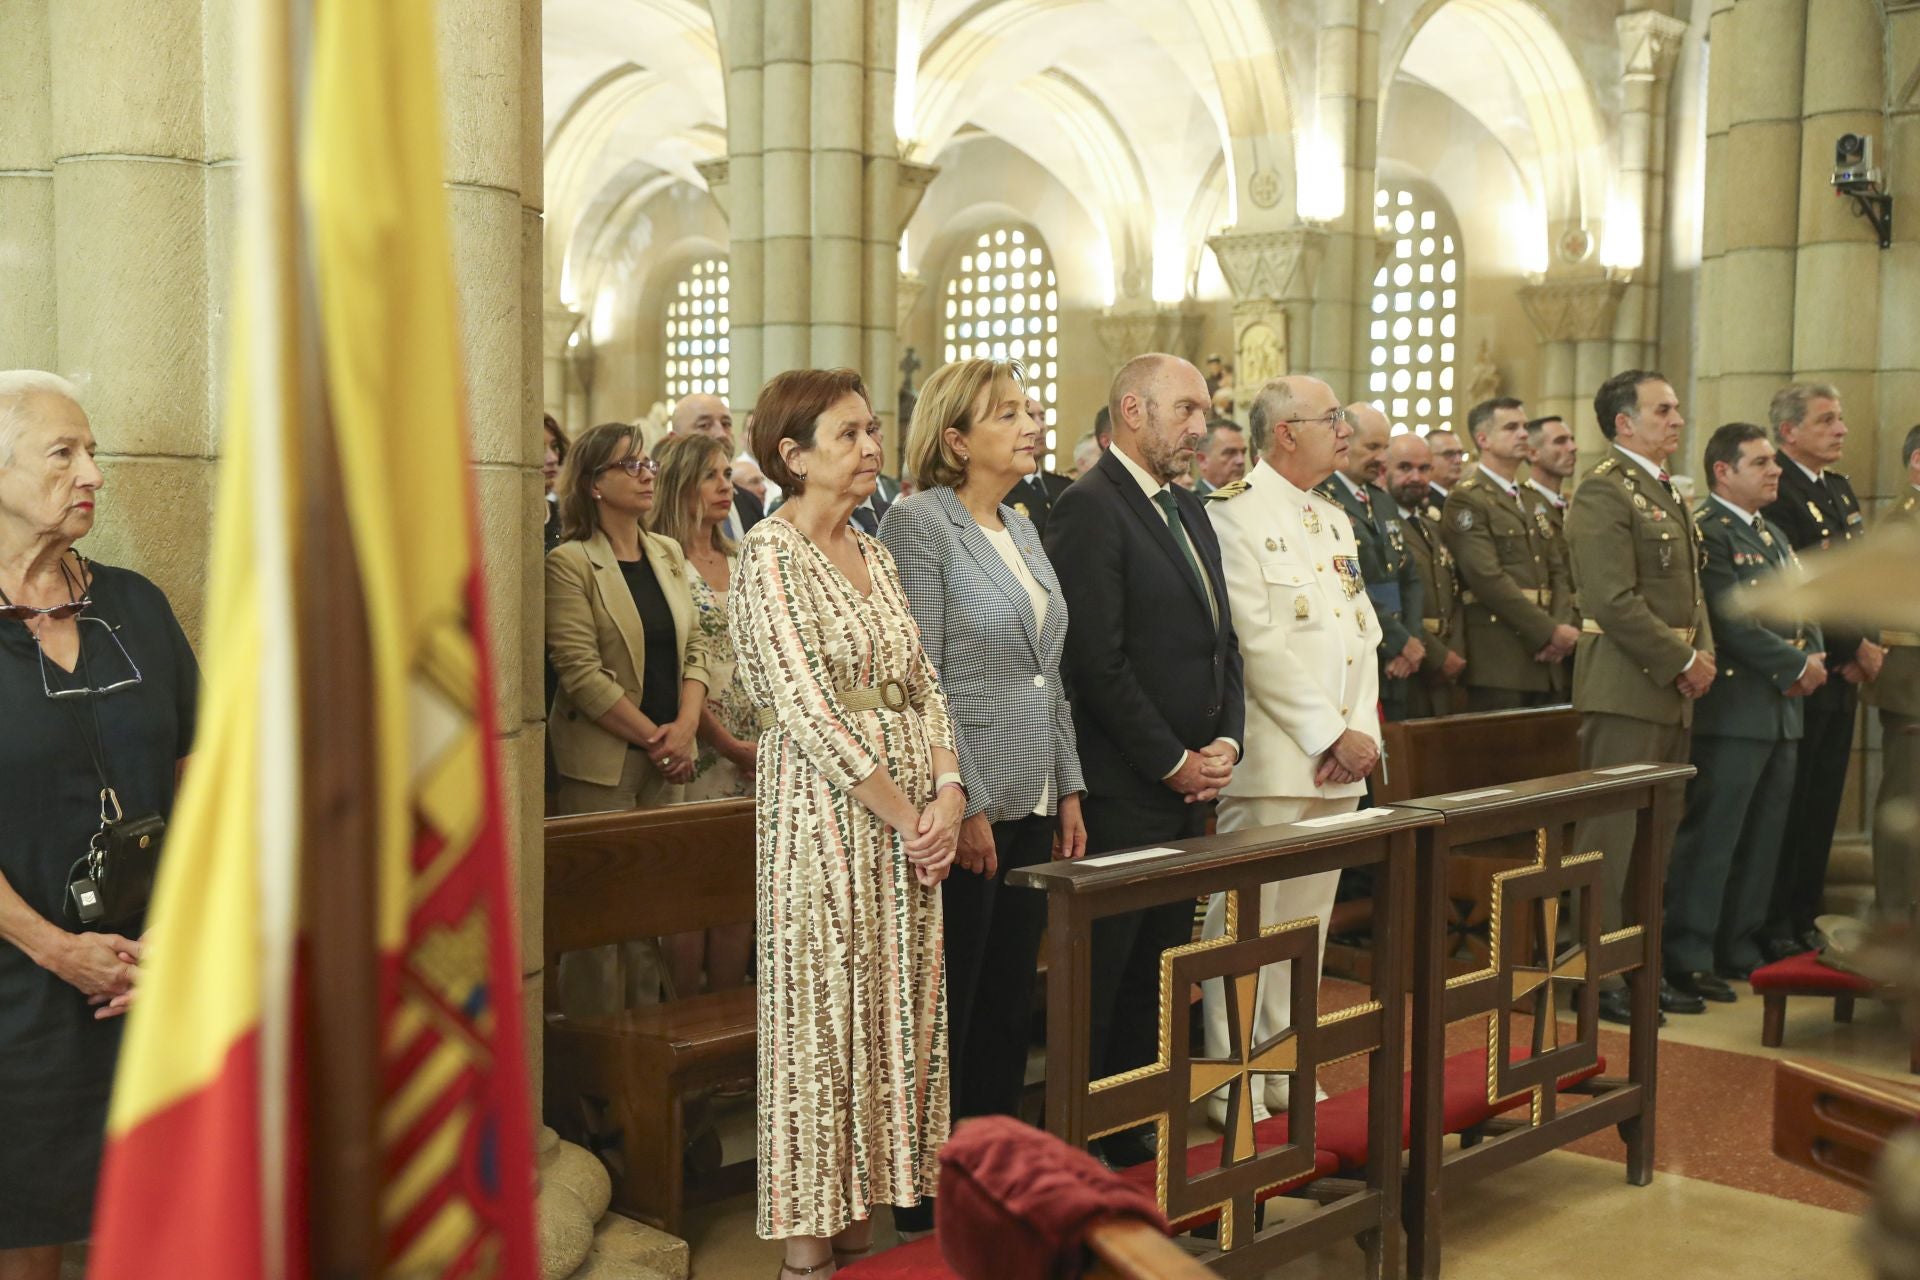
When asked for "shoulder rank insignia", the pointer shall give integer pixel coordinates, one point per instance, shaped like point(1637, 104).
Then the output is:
point(1226, 491)
point(1471, 482)
point(1606, 466)
point(1433, 512)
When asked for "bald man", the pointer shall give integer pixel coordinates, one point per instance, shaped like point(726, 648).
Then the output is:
point(705, 415)
point(1153, 669)
point(1436, 690)
point(1393, 584)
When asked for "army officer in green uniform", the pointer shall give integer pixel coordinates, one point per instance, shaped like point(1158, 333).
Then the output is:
point(1646, 647)
point(1746, 732)
point(1393, 584)
point(1519, 594)
point(1896, 691)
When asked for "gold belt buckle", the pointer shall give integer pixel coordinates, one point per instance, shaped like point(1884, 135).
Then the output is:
point(893, 695)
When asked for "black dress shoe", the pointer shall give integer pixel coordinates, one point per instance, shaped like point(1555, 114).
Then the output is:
point(1778, 949)
point(1673, 1000)
point(1617, 1006)
point(1737, 970)
point(1704, 985)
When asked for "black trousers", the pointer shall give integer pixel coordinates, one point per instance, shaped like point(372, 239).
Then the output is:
point(1819, 778)
point(992, 945)
point(1125, 1015)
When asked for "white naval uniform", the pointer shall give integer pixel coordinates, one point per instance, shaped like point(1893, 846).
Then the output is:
point(1307, 642)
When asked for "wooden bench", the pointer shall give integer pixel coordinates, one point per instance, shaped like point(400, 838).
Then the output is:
point(619, 1084)
point(1449, 754)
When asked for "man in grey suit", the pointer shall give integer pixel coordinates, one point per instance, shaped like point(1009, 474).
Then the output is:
point(1746, 731)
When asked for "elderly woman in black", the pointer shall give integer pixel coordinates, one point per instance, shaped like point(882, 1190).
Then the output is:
point(97, 690)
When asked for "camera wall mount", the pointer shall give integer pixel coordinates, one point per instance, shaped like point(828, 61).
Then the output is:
point(1871, 203)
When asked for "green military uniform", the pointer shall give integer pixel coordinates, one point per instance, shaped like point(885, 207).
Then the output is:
point(1746, 737)
point(1636, 570)
point(1393, 584)
point(1518, 590)
point(1897, 693)
point(1444, 616)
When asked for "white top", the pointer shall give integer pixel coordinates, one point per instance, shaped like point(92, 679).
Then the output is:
point(1646, 464)
point(1746, 516)
point(1002, 541)
point(1507, 486)
point(1547, 493)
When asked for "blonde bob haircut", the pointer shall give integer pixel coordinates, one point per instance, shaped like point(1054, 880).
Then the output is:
point(947, 401)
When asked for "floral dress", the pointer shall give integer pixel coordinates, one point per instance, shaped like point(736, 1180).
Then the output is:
point(852, 1017)
point(714, 776)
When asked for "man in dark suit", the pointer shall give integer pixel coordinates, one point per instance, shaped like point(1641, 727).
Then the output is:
point(1153, 671)
point(1817, 509)
point(705, 415)
point(1033, 496)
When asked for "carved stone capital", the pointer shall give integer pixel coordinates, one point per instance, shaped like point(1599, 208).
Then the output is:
point(1574, 310)
point(1270, 264)
point(1649, 43)
point(714, 172)
point(1126, 332)
point(913, 182)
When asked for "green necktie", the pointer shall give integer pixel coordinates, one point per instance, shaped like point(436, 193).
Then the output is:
point(1171, 509)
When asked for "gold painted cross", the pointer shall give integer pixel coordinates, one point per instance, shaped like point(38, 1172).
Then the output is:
point(1570, 969)
point(1281, 1056)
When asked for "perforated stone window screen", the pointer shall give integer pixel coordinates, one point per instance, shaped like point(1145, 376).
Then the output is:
point(696, 336)
point(1002, 304)
point(1415, 324)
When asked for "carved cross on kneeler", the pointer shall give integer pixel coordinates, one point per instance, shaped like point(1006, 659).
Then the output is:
point(1533, 985)
point(1278, 1056)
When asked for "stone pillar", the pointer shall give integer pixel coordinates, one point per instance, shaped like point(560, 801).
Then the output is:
point(1574, 320)
point(1272, 275)
point(1330, 351)
point(561, 393)
point(1362, 180)
point(1899, 390)
point(1649, 45)
point(27, 334)
point(1761, 203)
point(1722, 56)
point(813, 191)
point(1836, 276)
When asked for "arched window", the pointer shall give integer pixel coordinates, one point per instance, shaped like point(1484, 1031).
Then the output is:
point(1416, 309)
point(1002, 304)
point(696, 337)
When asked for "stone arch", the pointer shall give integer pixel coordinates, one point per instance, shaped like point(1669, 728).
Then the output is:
point(1568, 170)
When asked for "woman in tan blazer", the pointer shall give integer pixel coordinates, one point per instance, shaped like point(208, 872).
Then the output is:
point(622, 636)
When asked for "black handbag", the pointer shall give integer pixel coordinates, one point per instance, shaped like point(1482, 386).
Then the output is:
point(110, 885)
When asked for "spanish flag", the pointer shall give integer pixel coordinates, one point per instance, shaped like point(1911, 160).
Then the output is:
point(324, 1068)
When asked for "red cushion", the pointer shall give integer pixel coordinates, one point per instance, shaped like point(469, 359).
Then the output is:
point(1804, 975)
point(1340, 1123)
point(1205, 1158)
point(1016, 1203)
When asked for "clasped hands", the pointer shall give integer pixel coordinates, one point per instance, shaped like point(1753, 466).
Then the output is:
point(1865, 668)
point(671, 748)
point(1560, 646)
point(1812, 676)
point(1351, 758)
point(1408, 660)
point(1698, 677)
point(103, 967)
point(934, 842)
point(1204, 773)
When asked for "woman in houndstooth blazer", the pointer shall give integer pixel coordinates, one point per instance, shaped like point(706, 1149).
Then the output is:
point(993, 622)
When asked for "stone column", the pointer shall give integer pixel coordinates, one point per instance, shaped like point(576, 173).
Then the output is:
point(561, 392)
point(1272, 275)
point(1721, 58)
point(745, 55)
point(1649, 45)
point(1362, 181)
point(1761, 177)
point(27, 335)
point(1574, 320)
point(1899, 391)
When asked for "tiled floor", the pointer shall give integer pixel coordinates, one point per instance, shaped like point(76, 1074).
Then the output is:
point(1721, 1204)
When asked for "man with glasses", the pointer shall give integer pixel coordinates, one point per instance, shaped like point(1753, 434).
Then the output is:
point(1308, 640)
point(1519, 594)
point(706, 415)
point(1448, 460)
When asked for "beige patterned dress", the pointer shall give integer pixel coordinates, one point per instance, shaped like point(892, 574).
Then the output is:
point(852, 1019)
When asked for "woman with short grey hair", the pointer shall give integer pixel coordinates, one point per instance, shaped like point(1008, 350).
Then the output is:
point(97, 689)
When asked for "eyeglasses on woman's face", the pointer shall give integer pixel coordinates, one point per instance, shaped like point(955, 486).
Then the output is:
point(635, 467)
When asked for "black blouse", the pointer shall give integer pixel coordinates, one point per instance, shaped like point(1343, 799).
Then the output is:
point(660, 682)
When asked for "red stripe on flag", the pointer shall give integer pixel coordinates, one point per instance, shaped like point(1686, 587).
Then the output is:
point(209, 1141)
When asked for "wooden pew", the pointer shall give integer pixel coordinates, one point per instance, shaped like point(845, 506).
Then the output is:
point(1225, 1181)
point(1449, 754)
point(619, 1084)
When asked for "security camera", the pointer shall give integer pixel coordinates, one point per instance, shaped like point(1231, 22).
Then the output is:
point(1853, 163)
point(1855, 178)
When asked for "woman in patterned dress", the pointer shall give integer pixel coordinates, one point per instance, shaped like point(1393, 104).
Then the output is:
point(695, 493)
point(859, 799)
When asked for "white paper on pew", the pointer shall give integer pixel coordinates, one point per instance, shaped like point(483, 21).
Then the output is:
point(1131, 855)
point(1335, 819)
point(1619, 769)
point(1479, 795)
